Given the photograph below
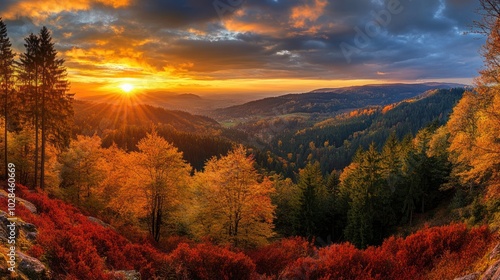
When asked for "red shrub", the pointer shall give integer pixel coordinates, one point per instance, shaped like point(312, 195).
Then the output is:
point(80, 249)
point(207, 261)
point(432, 253)
point(459, 263)
point(423, 247)
point(73, 255)
point(340, 261)
point(273, 258)
point(76, 248)
point(170, 243)
point(36, 251)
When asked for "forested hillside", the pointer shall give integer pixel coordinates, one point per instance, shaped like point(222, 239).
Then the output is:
point(330, 100)
point(198, 137)
point(334, 141)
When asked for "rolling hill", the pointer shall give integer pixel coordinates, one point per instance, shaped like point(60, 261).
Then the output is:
point(93, 117)
point(327, 101)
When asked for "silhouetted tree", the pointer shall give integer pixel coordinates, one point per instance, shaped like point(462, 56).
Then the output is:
point(6, 81)
point(48, 103)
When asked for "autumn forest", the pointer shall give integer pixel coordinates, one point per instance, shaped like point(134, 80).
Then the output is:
point(385, 181)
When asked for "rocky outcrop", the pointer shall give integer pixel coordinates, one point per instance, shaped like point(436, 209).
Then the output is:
point(493, 272)
point(31, 267)
point(126, 275)
point(495, 252)
point(472, 276)
point(28, 205)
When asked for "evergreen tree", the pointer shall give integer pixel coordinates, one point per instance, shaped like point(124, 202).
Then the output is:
point(391, 162)
point(369, 213)
point(287, 201)
point(56, 107)
point(6, 83)
point(48, 103)
point(313, 193)
point(29, 78)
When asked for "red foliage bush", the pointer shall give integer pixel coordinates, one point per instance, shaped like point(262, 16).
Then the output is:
point(207, 261)
point(273, 258)
point(458, 263)
point(438, 253)
point(77, 248)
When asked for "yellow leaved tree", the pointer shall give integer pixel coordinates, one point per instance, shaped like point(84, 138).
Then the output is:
point(474, 125)
point(232, 202)
point(164, 177)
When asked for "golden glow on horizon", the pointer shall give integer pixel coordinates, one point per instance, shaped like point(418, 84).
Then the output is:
point(209, 87)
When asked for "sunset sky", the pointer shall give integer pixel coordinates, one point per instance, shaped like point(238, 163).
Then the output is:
point(252, 46)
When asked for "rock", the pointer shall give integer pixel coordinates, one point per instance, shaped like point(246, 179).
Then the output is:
point(496, 276)
point(3, 218)
point(30, 206)
point(31, 236)
point(126, 274)
point(472, 276)
point(493, 272)
point(495, 252)
point(31, 267)
point(29, 227)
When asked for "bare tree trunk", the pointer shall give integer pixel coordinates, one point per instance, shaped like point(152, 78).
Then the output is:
point(156, 216)
point(5, 135)
point(36, 129)
point(42, 158)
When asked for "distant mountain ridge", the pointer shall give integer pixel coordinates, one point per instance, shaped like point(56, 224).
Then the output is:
point(331, 100)
point(93, 117)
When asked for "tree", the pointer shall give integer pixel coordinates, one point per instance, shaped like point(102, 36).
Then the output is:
point(287, 201)
point(164, 175)
point(475, 121)
point(48, 105)
point(21, 153)
point(56, 107)
point(29, 77)
point(391, 162)
point(233, 202)
point(490, 26)
point(312, 200)
point(6, 82)
point(369, 211)
point(82, 169)
point(425, 169)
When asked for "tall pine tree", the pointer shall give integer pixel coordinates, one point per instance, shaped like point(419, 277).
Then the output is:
point(6, 81)
point(29, 78)
point(48, 103)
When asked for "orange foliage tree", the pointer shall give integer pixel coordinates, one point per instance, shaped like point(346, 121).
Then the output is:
point(475, 123)
point(163, 174)
point(232, 204)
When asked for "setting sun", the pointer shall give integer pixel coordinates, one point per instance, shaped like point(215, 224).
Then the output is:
point(127, 88)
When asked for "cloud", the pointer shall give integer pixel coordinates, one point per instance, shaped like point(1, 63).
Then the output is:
point(309, 13)
point(266, 39)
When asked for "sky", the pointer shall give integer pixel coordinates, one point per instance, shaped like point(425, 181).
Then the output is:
point(252, 46)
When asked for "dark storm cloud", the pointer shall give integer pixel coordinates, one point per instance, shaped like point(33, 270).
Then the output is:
point(423, 40)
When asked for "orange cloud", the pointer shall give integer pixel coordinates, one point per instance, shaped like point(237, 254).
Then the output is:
point(40, 10)
point(302, 15)
point(255, 27)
